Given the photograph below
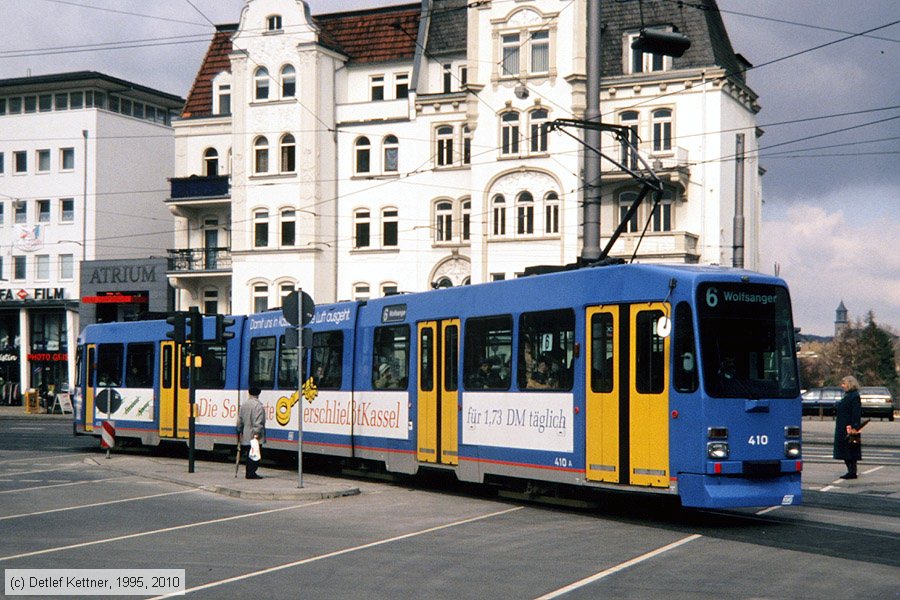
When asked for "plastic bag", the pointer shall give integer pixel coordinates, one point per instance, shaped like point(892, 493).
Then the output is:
point(255, 451)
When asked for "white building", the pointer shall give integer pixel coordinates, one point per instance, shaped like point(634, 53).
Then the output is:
point(396, 149)
point(84, 159)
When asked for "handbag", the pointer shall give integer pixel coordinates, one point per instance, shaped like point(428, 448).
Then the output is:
point(854, 439)
point(255, 453)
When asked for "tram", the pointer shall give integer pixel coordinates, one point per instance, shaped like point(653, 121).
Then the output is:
point(671, 379)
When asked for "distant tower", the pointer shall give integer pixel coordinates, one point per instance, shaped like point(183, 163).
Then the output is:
point(840, 319)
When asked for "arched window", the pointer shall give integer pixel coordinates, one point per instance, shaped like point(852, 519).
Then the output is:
point(261, 83)
point(467, 145)
point(509, 143)
point(288, 153)
point(499, 214)
point(288, 82)
point(443, 222)
point(273, 23)
point(361, 225)
point(363, 153)
point(389, 223)
point(261, 155)
point(391, 148)
point(466, 220)
point(629, 157)
point(551, 213)
point(261, 229)
point(288, 227)
point(361, 291)
point(538, 130)
point(525, 213)
point(211, 162)
point(389, 288)
point(444, 146)
point(260, 297)
point(662, 214)
point(662, 130)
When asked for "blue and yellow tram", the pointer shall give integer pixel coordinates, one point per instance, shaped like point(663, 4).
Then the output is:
point(672, 379)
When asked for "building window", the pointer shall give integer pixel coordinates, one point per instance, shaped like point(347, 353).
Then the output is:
point(361, 291)
point(21, 209)
point(540, 51)
point(466, 220)
point(20, 267)
point(538, 130)
point(361, 225)
point(2, 162)
point(211, 301)
point(509, 128)
point(20, 160)
point(67, 159)
point(42, 267)
point(2, 217)
point(389, 223)
point(43, 207)
point(662, 214)
point(499, 215)
point(66, 266)
point(448, 78)
point(391, 148)
point(261, 83)
point(288, 153)
point(224, 99)
point(210, 162)
point(551, 208)
point(261, 229)
point(363, 153)
point(43, 161)
point(376, 87)
point(288, 227)
point(261, 155)
point(626, 199)
point(389, 288)
point(443, 222)
point(629, 153)
point(644, 62)
point(273, 23)
point(444, 146)
point(260, 297)
point(401, 85)
point(525, 214)
point(662, 130)
point(510, 53)
point(467, 145)
point(67, 210)
point(288, 81)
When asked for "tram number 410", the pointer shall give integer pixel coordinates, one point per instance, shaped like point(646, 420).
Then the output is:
point(758, 440)
point(562, 461)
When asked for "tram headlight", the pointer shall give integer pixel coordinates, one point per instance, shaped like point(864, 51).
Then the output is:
point(717, 450)
point(792, 449)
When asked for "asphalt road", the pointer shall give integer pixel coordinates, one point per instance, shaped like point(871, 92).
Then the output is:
point(430, 538)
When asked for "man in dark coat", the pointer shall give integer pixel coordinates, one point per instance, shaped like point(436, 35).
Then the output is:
point(251, 424)
point(847, 420)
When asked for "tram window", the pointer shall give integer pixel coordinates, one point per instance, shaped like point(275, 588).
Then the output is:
point(211, 375)
point(79, 363)
point(649, 354)
point(167, 366)
point(328, 359)
point(391, 363)
point(546, 342)
point(487, 360)
point(139, 366)
point(109, 365)
point(262, 362)
point(426, 360)
point(287, 367)
point(684, 375)
point(451, 358)
point(602, 351)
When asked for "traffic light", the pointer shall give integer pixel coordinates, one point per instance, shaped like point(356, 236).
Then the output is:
point(196, 323)
point(222, 323)
point(177, 332)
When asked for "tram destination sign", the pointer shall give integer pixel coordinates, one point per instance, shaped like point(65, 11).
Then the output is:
point(394, 313)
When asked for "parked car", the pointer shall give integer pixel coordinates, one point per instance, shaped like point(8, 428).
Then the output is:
point(820, 401)
point(876, 402)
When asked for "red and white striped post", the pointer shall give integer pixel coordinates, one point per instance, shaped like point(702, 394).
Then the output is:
point(108, 436)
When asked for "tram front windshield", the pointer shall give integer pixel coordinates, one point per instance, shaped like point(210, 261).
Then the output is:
point(747, 341)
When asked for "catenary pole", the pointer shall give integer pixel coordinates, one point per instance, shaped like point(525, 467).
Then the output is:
point(590, 249)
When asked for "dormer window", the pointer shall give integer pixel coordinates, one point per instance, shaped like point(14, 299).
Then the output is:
point(645, 62)
point(273, 23)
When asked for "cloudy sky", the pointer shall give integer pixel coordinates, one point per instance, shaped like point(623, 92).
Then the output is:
point(826, 72)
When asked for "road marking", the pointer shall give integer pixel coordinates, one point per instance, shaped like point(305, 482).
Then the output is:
point(39, 458)
point(155, 531)
point(43, 487)
point(619, 567)
point(767, 510)
point(44, 512)
point(336, 553)
point(26, 428)
point(57, 468)
point(872, 470)
point(827, 488)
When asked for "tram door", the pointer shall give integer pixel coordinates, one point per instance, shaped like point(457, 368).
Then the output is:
point(174, 402)
point(89, 382)
point(438, 392)
point(627, 396)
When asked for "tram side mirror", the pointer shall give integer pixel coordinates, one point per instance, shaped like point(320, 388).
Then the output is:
point(664, 326)
point(687, 362)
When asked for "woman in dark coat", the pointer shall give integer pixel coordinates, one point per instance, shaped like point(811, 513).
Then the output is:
point(848, 415)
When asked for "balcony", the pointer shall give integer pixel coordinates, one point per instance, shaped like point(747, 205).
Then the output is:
point(671, 165)
point(199, 261)
point(196, 187)
point(663, 246)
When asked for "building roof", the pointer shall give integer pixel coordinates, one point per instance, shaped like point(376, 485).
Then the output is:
point(199, 102)
point(447, 27)
point(81, 79)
